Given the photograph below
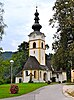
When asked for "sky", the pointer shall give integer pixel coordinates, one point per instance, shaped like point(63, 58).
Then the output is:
point(19, 17)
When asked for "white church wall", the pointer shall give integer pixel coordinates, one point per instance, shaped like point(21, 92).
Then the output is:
point(61, 77)
point(26, 78)
point(34, 52)
point(38, 79)
point(17, 79)
point(49, 75)
point(38, 52)
point(64, 77)
point(31, 44)
point(40, 75)
point(42, 58)
point(41, 78)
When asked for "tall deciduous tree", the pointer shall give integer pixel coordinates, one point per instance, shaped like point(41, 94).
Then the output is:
point(64, 37)
point(64, 17)
point(2, 24)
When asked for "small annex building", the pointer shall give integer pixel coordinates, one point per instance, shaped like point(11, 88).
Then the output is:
point(59, 76)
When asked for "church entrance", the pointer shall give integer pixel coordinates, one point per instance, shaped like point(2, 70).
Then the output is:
point(45, 77)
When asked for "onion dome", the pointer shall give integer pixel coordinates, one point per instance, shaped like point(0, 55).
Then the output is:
point(36, 26)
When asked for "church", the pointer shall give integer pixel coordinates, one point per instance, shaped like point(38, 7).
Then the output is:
point(36, 69)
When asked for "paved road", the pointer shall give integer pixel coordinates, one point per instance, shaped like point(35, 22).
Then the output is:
point(52, 92)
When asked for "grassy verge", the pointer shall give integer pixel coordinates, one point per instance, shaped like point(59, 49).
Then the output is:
point(23, 89)
point(69, 83)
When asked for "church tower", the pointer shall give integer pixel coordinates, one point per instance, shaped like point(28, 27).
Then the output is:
point(37, 41)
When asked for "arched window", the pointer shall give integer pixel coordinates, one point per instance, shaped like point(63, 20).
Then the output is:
point(34, 74)
point(34, 45)
point(26, 72)
point(44, 76)
point(42, 44)
point(40, 74)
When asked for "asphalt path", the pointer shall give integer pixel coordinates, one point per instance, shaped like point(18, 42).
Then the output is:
point(51, 92)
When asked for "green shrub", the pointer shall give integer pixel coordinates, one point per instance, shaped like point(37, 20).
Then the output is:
point(1, 82)
point(7, 81)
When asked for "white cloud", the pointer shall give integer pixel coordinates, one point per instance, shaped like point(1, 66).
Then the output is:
point(19, 16)
point(14, 43)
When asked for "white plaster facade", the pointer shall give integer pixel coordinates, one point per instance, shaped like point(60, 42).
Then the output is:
point(17, 80)
point(39, 78)
point(61, 77)
point(64, 76)
point(49, 75)
point(39, 51)
point(26, 78)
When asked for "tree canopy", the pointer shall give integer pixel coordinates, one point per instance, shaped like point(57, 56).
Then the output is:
point(2, 24)
point(20, 57)
point(63, 20)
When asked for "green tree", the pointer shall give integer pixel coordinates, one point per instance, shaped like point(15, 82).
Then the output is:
point(71, 54)
point(1, 68)
point(64, 17)
point(4, 69)
point(2, 24)
point(64, 37)
point(20, 57)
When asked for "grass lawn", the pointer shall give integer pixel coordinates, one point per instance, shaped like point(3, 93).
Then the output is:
point(70, 83)
point(23, 89)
